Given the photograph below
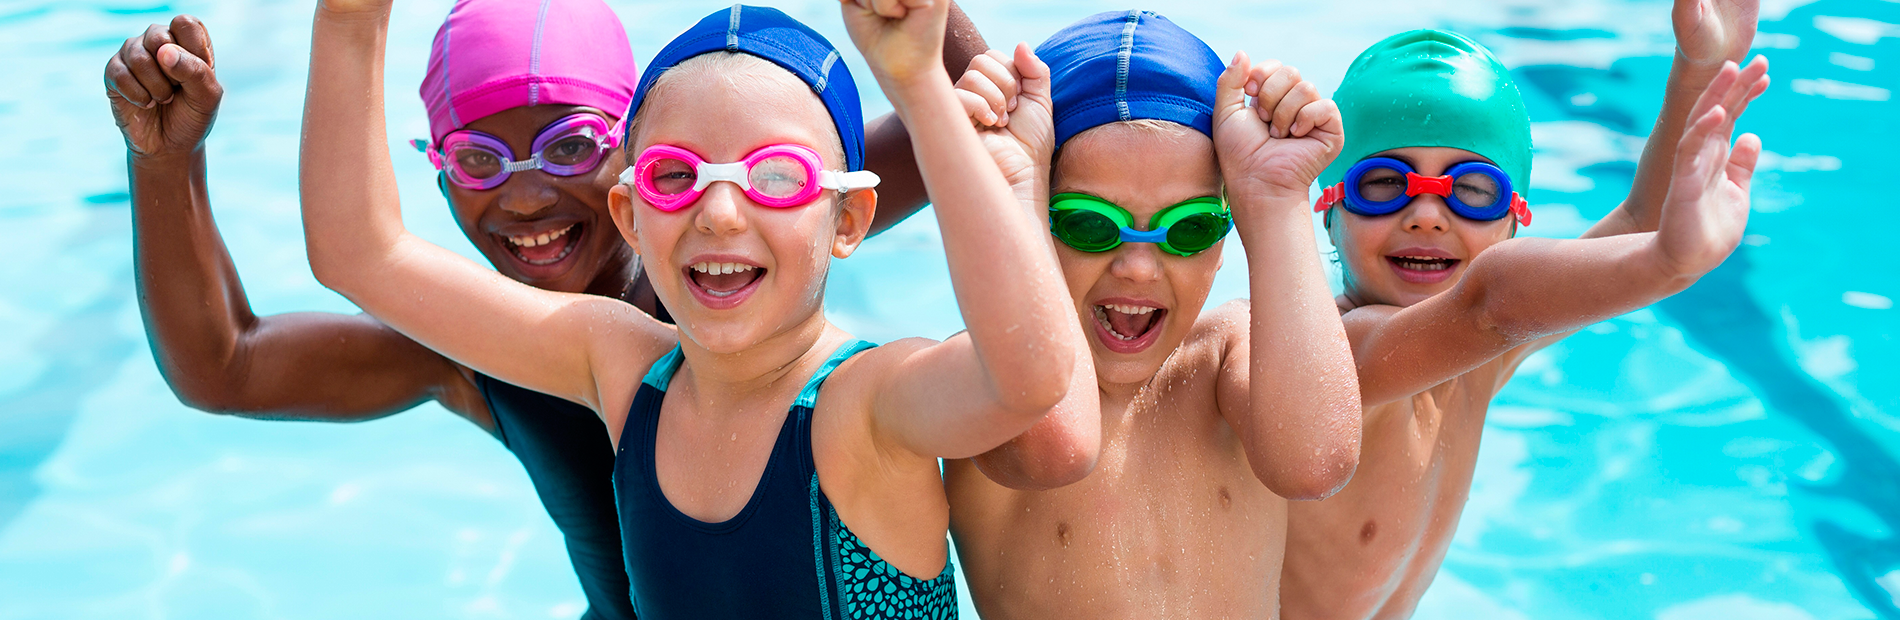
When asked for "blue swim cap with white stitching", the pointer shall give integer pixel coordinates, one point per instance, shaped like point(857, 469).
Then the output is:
point(774, 36)
point(1129, 65)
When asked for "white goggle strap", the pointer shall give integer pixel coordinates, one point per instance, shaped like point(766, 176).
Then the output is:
point(847, 181)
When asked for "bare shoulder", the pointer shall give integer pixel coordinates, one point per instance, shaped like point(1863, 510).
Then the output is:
point(865, 373)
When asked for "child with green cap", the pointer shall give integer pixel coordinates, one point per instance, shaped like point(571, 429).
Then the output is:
point(1209, 421)
point(1442, 305)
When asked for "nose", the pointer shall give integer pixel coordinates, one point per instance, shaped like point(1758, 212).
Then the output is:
point(719, 210)
point(1136, 262)
point(1427, 212)
point(524, 194)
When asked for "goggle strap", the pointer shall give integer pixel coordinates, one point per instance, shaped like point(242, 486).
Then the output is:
point(709, 173)
point(629, 175)
point(612, 139)
point(1329, 197)
point(847, 181)
point(1521, 209)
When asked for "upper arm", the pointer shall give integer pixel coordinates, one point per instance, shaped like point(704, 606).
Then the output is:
point(935, 399)
point(321, 366)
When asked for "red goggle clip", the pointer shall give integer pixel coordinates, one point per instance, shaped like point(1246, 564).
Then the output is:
point(1329, 197)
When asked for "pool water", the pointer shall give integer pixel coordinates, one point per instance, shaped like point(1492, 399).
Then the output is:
point(1729, 454)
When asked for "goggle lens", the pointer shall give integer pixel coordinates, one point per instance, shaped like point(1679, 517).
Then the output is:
point(1476, 189)
point(1382, 184)
point(779, 176)
point(1197, 232)
point(575, 150)
point(671, 177)
point(1087, 231)
point(473, 162)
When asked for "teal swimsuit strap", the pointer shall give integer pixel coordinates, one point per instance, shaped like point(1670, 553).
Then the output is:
point(808, 398)
point(661, 374)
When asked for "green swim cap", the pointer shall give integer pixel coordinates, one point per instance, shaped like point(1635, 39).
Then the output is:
point(1432, 88)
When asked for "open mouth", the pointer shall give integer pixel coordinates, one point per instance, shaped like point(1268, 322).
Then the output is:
point(1422, 269)
point(1127, 328)
point(723, 285)
point(546, 248)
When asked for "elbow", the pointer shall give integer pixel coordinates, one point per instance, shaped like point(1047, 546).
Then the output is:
point(1033, 391)
point(1046, 467)
point(1319, 480)
point(212, 396)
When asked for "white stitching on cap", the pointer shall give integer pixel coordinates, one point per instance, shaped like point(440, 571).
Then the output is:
point(732, 30)
point(824, 73)
point(534, 55)
point(1122, 60)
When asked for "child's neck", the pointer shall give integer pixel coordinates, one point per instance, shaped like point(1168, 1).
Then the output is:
point(721, 379)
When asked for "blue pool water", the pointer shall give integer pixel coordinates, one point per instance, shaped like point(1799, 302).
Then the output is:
point(1729, 454)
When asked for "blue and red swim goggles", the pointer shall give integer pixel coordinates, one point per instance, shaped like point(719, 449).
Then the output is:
point(1382, 186)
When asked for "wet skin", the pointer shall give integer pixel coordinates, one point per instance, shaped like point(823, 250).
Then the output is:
point(1172, 520)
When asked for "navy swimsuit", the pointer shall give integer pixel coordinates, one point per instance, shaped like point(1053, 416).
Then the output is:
point(565, 449)
point(785, 555)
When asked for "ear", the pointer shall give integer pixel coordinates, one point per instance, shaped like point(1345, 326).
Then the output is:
point(620, 206)
point(854, 222)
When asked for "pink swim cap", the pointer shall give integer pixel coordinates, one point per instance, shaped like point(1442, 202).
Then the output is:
point(492, 55)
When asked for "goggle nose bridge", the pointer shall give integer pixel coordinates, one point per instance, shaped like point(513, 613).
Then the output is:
point(736, 172)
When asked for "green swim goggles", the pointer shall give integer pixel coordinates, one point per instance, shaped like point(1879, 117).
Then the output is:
point(1091, 224)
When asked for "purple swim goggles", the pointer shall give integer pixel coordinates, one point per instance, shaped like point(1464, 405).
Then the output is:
point(571, 146)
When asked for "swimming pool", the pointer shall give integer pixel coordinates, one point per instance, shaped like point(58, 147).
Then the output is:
point(1729, 454)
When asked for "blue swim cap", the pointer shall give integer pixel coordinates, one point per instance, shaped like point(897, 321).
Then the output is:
point(774, 36)
point(1123, 66)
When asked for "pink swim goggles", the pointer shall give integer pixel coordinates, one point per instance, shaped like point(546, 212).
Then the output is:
point(779, 176)
point(568, 147)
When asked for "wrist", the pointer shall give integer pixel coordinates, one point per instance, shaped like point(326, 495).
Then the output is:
point(924, 83)
point(171, 160)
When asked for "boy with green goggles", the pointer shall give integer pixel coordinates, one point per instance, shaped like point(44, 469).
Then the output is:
point(1198, 459)
point(1091, 224)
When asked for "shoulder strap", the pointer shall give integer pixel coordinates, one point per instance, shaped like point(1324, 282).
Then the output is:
point(808, 398)
point(661, 374)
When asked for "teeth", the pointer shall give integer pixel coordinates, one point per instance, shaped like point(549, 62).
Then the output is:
point(720, 269)
point(1137, 310)
point(529, 241)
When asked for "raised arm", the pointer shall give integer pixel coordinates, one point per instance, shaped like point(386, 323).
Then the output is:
point(568, 345)
point(1527, 288)
point(1008, 100)
point(1709, 35)
point(212, 350)
point(978, 389)
point(1288, 386)
point(887, 145)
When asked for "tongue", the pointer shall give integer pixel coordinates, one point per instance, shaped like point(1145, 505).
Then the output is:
point(725, 283)
point(1130, 325)
point(545, 252)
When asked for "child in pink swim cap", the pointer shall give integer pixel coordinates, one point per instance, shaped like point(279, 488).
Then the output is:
point(508, 80)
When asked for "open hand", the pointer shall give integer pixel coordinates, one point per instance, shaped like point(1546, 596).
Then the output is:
point(1009, 102)
point(1276, 147)
point(1709, 32)
point(163, 89)
point(902, 40)
point(1706, 211)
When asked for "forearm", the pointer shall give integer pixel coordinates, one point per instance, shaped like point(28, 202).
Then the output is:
point(1009, 288)
point(1303, 410)
point(1641, 211)
point(189, 295)
point(887, 144)
point(351, 213)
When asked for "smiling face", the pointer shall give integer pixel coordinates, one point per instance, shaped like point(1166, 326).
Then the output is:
point(1136, 301)
point(547, 231)
point(1406, 257)
point(734, 273)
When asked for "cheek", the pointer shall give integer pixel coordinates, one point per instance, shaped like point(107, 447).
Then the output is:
point(1081, 270)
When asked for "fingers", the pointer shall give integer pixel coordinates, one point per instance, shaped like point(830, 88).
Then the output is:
point(893, 9)
point(1286, 115)
point(1028, 65)
point(1230, 90)
point(121, 84)
point(1741, 161)
point(1321, 116)
point(189, 33)
point(137, 55)
point(977, 107)
point(1275, 85)
point(1751, 83)
point(975, 83)
point(1697, 153)
point(194, 77)
point(994, 67)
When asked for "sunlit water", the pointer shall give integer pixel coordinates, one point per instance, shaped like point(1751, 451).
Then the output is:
point(1726, 455)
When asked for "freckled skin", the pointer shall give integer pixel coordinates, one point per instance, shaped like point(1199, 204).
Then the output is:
point(1172, 522)
point(1372, 549)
